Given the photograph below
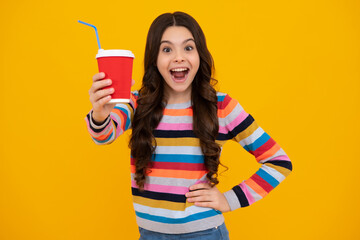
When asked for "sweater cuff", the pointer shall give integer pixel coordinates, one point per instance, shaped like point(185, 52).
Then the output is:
point(96, 126)
point(232, 200)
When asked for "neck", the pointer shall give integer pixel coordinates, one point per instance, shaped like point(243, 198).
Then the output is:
point(173, 97)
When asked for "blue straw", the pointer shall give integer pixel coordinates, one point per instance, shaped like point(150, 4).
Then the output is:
point(97, 35)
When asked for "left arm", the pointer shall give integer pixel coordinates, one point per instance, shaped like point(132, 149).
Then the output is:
point(240, 126)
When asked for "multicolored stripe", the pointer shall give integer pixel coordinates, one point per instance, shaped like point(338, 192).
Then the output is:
point(178, 163)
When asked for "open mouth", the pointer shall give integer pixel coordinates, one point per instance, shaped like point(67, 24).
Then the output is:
point(179, 74)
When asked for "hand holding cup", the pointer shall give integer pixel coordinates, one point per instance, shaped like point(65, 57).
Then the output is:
point(100, 95)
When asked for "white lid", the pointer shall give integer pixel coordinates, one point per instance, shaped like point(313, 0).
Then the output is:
point(114, 53)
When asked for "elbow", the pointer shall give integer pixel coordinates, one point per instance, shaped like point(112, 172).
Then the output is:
point(290, 166)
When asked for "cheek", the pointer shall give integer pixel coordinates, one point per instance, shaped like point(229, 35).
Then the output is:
point(161, 64)
point(196, 63)
point(195, 60)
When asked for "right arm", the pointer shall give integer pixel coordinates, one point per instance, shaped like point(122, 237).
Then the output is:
point(105, 122)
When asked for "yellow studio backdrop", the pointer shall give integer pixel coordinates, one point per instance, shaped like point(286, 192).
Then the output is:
point(294, 65)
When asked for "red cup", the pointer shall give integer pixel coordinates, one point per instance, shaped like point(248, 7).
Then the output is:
point(117, 66)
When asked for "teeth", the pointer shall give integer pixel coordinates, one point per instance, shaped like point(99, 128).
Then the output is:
point(178, 69)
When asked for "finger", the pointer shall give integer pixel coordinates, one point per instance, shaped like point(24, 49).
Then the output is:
point(102, 93)
point(205, 204)
point(200, 186)
point(202, 198)
point(101, 102)
point(98, 76)
point(198, 189)
point(99, 85)
point(132, 82)
point(196, 193)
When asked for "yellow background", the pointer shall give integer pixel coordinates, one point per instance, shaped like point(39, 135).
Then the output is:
point(294, 65)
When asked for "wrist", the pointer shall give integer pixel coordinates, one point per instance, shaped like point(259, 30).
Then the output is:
point(98, 120)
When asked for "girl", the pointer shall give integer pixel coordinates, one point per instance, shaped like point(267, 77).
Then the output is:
point(179, 124)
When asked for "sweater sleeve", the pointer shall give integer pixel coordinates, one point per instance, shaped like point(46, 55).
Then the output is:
point(116, 124)
point(241, 127)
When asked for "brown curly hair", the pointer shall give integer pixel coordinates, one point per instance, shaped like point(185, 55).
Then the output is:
point(150, 104)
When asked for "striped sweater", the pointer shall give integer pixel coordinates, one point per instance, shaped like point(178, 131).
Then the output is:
point(179, 163)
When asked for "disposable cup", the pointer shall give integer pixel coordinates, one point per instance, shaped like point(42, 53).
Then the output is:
point(117, 66)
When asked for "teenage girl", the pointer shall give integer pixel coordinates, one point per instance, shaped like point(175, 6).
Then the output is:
point(179, 124)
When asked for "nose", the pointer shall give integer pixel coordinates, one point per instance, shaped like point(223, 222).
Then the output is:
point(179, 57)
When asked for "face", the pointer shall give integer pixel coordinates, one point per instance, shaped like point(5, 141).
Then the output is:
point(178, 62)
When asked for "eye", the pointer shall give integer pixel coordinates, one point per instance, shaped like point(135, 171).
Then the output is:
point(189, 48)
point(166, 49)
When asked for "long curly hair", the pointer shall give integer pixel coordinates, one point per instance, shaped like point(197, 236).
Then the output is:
point(150, 104)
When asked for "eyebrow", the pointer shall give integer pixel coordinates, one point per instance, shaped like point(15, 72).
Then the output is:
point(187, 40)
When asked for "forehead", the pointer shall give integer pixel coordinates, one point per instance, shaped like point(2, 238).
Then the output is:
point(176, 34)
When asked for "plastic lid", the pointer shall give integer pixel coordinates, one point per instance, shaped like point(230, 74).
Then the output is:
point(114, 53)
